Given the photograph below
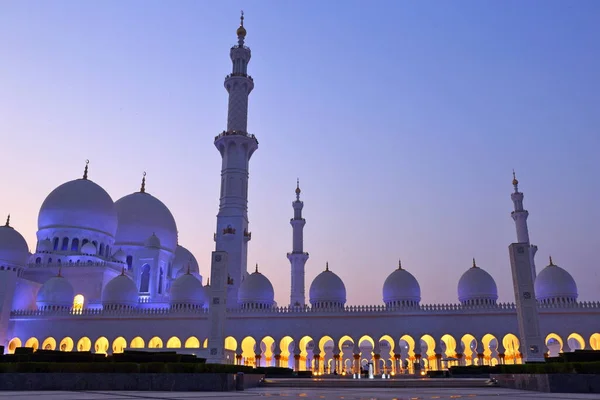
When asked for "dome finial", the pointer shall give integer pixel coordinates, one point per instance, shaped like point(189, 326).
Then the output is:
point(143, 188)
point(298, 191)
point(7, 221)
point(551, 263)
point(474, 263)
point(85, 171)
point(256, 269)
point(515, 182)
point(399, 264)
point(326, 265)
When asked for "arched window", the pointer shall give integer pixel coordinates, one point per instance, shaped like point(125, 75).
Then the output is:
point(75, 245)
point(56, 240)
point(145, 279)
point(129, 262)
point(65, 244)
point(38, 260)
point(160, 281)
point(101, 252)
point(78, 302)
point(107, 251)
point(84, 241)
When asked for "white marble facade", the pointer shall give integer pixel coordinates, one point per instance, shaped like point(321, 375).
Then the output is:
point(109, 275)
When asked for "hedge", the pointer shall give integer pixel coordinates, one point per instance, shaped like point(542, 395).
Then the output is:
point(532, 368)
point(124, 367)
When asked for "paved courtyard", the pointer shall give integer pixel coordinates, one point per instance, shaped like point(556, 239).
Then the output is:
point(302, 394)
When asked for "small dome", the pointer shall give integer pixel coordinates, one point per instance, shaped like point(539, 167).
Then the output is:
point(141, 215)
point(256, 290)
point(79, 204)
point(188, 290)
point(183, 258)
point(45, 246)
point(120, 292)
point(327, 290)
point(153, 241)
point(401, 288)
point(476, 287)
point(13, 247)
point(89, 248)
point(55, 292)
point(555, 285)
point(120, 256)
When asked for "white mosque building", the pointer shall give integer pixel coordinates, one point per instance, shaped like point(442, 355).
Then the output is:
point(111, 275)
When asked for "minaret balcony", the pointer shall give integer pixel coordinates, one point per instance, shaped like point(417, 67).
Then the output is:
point(247, 235)
point(236, 133)
point(239, 74)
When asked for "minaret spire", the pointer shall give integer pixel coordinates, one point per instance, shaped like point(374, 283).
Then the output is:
point(298, 256)
point(85, 171)
point(143, 188)
point(520, 215)
point(232, 234)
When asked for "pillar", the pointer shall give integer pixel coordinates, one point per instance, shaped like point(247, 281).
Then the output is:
point(297, 362)
point(376, 358)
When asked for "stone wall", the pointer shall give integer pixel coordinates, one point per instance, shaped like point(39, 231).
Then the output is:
point(147, 381)
point(550, 383)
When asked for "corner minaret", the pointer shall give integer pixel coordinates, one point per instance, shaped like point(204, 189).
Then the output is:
point(236, 146)
point(519, 215)
point(297, 257)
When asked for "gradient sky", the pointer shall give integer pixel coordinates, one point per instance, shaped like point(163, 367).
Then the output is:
point(402, 119)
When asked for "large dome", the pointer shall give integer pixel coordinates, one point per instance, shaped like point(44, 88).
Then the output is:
point(120, 292)
point(183, 258)
point(142, 215)
point(256, 291)
point(188, 290)
point(477, 287)
point(555, 285)
point(79, 204)
point(13, 247)
point(401, 289)
point(327, 290)
point(55, 292)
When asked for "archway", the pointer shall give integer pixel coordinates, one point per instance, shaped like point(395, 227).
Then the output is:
point(33, 343)
point(101, 345)
point(575, 341)
point(428, 342)
point(511, 344)
point(490, 349)
point(192, 343)
point(155, 343)
point(49, 344)
point(248, 351)
point(13, 344)
point(449, 356)
point(119, 345)
point(287, 346)
point(174, 343)
point(595, 341)
point(554, 344)
point(386, 353)
point(84, 344)
point(137, 343)
point(346, 344)
point(470, 349)
point(267, 345)
point(326, 346)
point(66, 344)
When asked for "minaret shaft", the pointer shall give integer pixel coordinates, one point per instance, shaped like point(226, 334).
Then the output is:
point(236, 147)
point(520, 215)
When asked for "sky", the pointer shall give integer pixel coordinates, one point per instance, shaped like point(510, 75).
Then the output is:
point(402, 119)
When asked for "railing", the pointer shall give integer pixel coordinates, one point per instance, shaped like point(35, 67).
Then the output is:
point(233, 74)
point(500, 308)
point(68, 264)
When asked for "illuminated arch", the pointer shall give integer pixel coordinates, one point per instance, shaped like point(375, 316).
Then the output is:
point(248, 347)
point(490, 347)
point(595, 341)
point(101, 345)
point(192, 343)
point(343, 340)
point(470, 349)
point(205, 344)
point(137, 343)
point(13, 344)
point(287, 346)
point(554, 343)
point(49, 344)
point(155, 343)
point(78, 301)
point(173, 343)
point(66, 344)
point(576, 341)
point(33, 343)
point(84, 344)
point(119, 345)
point(267, 346)
point(511, 344)
point(230, 343)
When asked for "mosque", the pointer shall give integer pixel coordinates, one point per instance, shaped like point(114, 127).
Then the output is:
point(111, 275)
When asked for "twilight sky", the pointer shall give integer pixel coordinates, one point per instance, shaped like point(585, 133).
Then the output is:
point(402, 119)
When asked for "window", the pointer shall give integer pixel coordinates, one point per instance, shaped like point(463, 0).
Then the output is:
point(145, 279)
point(75, 245)
point(78, 302)
point(129, 262)
point(160, 281)
point(65, 244)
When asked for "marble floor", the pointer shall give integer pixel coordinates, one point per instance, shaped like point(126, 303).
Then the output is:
point(487, 393)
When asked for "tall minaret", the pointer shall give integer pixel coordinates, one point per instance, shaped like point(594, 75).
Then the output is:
point(297, 257)
point(236, 146)
point(519, 215)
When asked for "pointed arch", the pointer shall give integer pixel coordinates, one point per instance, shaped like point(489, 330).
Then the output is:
point(192, 343)
point(13, 344)
point(119, 345)
point(174, 343)
point(49, 343)
point(137, 343)
point(84, 344)
point(66, 344)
